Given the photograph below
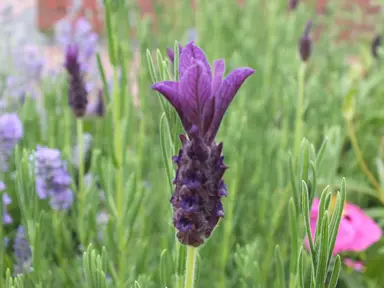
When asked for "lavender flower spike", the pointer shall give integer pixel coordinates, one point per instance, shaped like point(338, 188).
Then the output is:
point(293, 4)
point(77, 93)
point(7, 219)
point(376, 43)
point(201, 99)
point(52, 178)
point(22, 252)
point(11, 132)
point(305, 44)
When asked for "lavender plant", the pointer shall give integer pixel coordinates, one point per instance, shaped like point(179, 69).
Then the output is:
point(275, 204)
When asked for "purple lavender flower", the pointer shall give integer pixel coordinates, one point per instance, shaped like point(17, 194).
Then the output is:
point(171, 53)
point(11, 132)
point(22, 252)
point(87, 145)
point(201, 100)
point(305, 44)
point(52, 178)
point(376, 43)
point(80, 35)
point(7, 219)
point(77, 93)
point(29, 61)
point(292, 4)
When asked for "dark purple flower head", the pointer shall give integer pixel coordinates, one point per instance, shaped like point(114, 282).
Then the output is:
point(7, 219)
point(22, 252)
point(376, 43)
point(171, 53)
point(293, 4)
point(52, 178)
point(77, 92)
point(200, 99)
point(11, 132)
point(305, 44)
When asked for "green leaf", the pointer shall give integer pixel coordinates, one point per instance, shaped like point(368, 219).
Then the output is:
point(322, 253)
point(294, 236)
point(335, 273)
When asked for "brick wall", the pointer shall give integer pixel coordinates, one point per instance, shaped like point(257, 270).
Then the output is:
point(50, 11)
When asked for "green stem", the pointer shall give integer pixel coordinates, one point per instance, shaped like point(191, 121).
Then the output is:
point(190, 267)
point(362, 163)
point(118, 150)
point(300, 109)
point(80, 190)
point(67, 133)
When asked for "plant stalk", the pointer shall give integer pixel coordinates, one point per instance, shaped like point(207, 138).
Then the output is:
point(190, 267)
point(299, 109)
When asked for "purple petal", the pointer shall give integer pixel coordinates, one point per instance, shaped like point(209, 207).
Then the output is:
point(171, 54)
point(225, 95)
point(191, 54)
point(195, 89)
point(6, 199)
point(208, 113)
point(169, 90)
point(219, 69)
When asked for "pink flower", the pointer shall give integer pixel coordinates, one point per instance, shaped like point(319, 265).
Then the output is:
point(357, 231)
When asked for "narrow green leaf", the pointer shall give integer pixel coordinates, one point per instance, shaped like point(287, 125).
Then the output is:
point(320, 153)
point(306, 211)
point(294, 236)
point(279, 268)
point(293, 181)
point(322, 253)
point(335, 273)
point(301, 271)
point(110, 35)
point(103, 78)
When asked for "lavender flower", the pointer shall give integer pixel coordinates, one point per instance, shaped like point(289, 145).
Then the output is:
point(11, 132)
point(201, 100)
point(7, 219)
point(376, 43)
point(292, 4)
point(22, 252)
point(87, 145)
point(52, 178)
point(80, 35)
point(77, 93)
point(305, 44)
point(29, 61)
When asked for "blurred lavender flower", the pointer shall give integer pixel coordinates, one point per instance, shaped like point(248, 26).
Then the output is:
point(87, 145)
point(305, 44)
point(30, 61)
point(192, 34)
point(201, 100)
point(11, 132)
point(376, 43)
point(102, 219)
point(292, 4)
point(80, 34)
point(7, 219)
point(22, 252)
point(52, 178)
point(77, 93)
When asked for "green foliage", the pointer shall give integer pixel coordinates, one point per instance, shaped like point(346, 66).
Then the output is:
point(271, 182)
